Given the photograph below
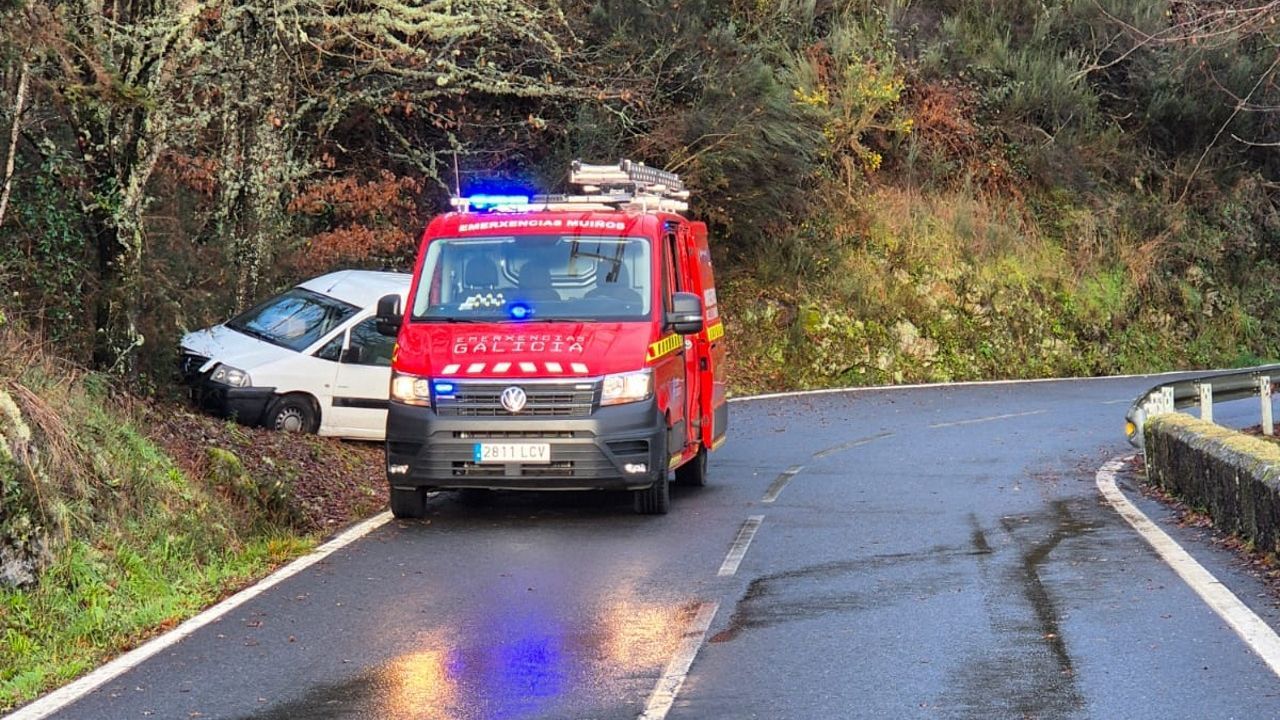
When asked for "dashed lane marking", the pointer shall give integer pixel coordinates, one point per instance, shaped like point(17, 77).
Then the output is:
point(776, 488)
point(740, 544)
point(974, 421)
point(851, 444)
point(67, 694)
point(669, 684)
point(1255, 632)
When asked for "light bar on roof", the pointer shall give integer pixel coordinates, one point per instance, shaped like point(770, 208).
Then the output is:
point(491, 202)
point(625, 186)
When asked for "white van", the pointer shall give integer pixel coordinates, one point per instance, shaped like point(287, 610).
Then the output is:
point(308, 360)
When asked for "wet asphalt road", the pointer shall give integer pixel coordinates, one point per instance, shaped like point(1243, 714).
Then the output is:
point(937, 552)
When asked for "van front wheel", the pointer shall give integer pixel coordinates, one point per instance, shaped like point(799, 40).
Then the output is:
point(292, 413)
point(694, 472)
point(655, 499)
point(408, 503)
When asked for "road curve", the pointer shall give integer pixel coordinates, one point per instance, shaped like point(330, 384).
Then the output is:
point(927, 552)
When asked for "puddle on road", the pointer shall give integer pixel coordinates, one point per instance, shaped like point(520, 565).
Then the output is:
point(523, 663)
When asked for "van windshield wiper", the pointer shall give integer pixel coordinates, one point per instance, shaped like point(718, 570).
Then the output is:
point(245, 329)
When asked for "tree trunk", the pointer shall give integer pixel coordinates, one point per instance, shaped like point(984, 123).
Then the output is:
point(18, 106)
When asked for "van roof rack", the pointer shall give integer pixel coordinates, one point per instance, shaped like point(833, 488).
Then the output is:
point(628, 185)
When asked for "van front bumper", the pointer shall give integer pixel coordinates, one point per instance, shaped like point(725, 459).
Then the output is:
point(587, 453)
point(246, 405)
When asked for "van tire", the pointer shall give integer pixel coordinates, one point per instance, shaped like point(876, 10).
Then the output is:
point(292, 413)
point(656, 499)
point(409, 504)
point(694, 472)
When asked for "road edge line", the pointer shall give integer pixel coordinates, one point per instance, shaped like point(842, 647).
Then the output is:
point(967, 383)
point(56, 700)
point(674, 674)
point(1253, 630)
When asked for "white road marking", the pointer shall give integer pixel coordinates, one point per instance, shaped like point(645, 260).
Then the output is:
point(1255, 632)
point(974, 383)
point(67, 694)
point(974, 421)
point(776, 488)
point(851, 444)
point(740, 544)
point(664, 693)
point(1117, 402)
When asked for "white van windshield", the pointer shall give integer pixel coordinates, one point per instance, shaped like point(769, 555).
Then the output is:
point(295, 320)
point(534, 277)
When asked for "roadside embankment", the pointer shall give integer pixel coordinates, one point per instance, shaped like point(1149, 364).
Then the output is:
point(1234, 477)
point(121, 517)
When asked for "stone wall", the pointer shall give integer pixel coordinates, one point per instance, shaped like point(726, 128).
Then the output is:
point(1233, 476)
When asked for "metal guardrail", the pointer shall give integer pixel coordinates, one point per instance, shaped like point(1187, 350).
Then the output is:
point(1204, 391)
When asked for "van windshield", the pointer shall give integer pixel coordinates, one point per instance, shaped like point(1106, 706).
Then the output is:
point(534, 277)
point(295, 320)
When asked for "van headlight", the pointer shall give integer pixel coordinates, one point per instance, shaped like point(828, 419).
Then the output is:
point(410, 389)
point(227, 375)
point(626, 387)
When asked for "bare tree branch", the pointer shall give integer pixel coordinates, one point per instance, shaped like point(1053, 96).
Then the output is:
point(1261, 79)
point(14, 133)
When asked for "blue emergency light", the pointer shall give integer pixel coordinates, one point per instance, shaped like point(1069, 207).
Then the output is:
point(489, 202)
point(519, 311)
point(444, 389)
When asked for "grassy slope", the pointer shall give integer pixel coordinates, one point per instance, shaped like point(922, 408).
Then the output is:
point(149, 514)
point(986, 246)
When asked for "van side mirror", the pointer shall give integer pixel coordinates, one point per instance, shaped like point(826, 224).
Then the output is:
point(389, 315)
point(685, 317)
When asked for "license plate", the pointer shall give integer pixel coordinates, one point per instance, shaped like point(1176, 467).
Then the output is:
point(528, 453)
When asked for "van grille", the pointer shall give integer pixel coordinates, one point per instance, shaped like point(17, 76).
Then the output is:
point(189, 365)
point(518, 434)
point(570, 399)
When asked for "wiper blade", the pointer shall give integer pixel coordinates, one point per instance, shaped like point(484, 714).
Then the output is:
point(245, 329)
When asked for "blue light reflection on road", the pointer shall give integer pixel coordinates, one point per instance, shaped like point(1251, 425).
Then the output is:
point(532, 662)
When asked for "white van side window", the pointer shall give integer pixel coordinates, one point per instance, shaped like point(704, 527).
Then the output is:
point(332, 350)
point(374, 348)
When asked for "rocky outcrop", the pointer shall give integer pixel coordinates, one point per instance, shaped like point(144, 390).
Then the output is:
point(24, 545)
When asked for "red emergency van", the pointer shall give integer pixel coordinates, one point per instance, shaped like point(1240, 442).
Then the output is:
point(560, 342)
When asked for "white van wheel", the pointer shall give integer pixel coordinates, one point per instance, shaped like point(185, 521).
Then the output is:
point(292, 413)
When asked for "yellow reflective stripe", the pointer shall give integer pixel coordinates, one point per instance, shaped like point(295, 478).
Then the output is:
point(715, 332)
point(665, 346)
point(715, 444)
